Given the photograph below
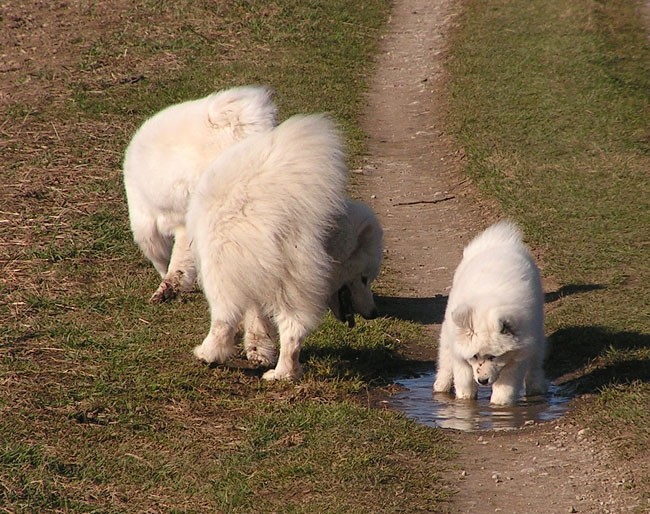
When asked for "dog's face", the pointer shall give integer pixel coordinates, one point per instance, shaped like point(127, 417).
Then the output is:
point(486, 368)
point(358, 270)
point(353, 297)
point(487, 341)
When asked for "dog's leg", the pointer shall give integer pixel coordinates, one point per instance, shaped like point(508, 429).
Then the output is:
point(219, 344)
point(181, 272)
point(292, 335)
point(444, 375)
point(259, 336)
point(506, 390)
point(464, 385)
point(536, 382)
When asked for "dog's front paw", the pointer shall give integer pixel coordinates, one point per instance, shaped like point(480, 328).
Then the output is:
point(211, 353)
point(442, 386)
point(503, 395)
point(276, 374)
point(465, 394)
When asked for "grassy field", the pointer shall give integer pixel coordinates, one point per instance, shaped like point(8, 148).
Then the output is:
point(102, 406)
point(551, 101)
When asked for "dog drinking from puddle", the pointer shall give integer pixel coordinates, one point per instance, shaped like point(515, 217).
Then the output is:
point(493, 330)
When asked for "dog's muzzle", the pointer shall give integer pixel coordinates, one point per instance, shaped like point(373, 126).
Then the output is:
point(346, 311)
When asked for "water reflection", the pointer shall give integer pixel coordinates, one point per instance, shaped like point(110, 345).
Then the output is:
point(418, 402)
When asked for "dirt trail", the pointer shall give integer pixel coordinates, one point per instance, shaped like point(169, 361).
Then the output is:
point(413, 179)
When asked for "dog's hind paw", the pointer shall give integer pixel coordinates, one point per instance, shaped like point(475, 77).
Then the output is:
point(261, 356)
point(165, 292)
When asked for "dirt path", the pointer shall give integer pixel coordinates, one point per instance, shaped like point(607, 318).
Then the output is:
point(413, 179)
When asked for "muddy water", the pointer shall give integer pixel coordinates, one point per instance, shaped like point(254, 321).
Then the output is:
point(418, 402)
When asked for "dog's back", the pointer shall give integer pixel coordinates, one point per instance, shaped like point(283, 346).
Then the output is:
point(503, 233)
point(497, 267)
point(260, 215)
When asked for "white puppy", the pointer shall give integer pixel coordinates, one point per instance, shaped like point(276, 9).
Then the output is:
point(163, 163)
point(493, 331)
point(259, 221)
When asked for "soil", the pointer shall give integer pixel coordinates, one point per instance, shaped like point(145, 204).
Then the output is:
point(413, 179)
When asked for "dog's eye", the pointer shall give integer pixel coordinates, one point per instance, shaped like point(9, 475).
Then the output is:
point(364, 281)
point(475, 357)
point(506, 328)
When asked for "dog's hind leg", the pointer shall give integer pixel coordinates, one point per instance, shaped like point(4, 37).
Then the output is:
point(260, 333)
point(181, 272)
point(156, 246)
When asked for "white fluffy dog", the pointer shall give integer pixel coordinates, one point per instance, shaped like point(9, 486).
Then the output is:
point(163, 163)
point(260, 219)
point(493, 331)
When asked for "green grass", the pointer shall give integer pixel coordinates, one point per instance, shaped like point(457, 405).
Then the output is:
point(102, 406)
point(551, 101)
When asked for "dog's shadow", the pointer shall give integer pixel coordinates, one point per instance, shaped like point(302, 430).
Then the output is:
point(426, 311)
point(431, 310)
point(575, 352)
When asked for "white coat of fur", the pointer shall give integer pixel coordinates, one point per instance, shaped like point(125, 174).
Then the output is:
point(165, 160)
point(493, 330)
point(355, 247)
point(259, 220)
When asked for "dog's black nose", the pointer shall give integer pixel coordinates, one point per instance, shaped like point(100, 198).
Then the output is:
point(483, 381)
point(374, 314)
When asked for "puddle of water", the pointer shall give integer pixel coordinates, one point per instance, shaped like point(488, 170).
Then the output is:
point(440, 410)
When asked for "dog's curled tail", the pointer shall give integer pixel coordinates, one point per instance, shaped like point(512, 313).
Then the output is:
point(240, 108)
point(307, 166)
point(502, 233)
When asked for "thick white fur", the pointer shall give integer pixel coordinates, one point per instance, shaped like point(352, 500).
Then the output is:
point(355, 247)
point(163, 163)
point(493, 331)
point(259, 220)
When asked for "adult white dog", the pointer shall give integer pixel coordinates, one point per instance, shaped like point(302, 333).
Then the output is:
point(493, 331)
point(262, 220)
point(163, 163)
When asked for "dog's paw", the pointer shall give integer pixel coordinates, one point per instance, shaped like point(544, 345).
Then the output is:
point(503, 397)
point(275, 374)
point(465, 394)
point(211, 353)
point(261, 356)
point(442, 386)
point(165, 292)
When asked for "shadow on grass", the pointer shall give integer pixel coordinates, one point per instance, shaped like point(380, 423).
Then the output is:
point(431, 310)
point(419, 310)
point(588, 358)
point(571, 289)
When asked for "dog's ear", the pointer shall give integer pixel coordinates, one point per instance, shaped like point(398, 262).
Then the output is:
point(369, 234)
point(462, 316)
